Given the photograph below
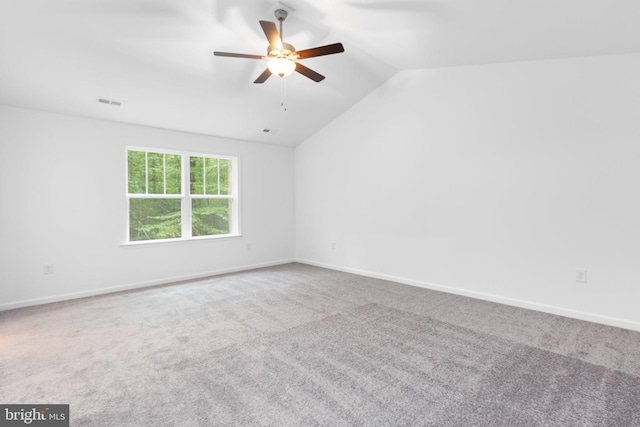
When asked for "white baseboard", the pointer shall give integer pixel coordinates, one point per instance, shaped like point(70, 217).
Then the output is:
point(561, 311)
point(109, 290)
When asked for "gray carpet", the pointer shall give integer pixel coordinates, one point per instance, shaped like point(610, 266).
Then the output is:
point(299, 345)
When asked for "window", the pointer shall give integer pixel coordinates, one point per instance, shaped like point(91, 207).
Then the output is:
point(180, 195)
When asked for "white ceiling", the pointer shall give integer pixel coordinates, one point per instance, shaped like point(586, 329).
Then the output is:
point(156, 55)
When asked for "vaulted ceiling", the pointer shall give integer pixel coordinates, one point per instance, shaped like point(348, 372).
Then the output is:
point(155, 56)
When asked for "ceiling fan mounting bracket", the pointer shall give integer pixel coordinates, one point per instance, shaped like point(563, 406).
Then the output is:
point(281, 14)
point(279, 6)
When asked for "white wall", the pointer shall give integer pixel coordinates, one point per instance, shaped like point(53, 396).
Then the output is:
point(62, 183)
point(494, 181)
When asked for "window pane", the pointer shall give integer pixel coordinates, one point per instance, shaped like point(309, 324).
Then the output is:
point(225, 170)
point(212, 176)
point(136, 169)
point(174, 169)
point(210, 217)
point(155, 163)
point(196, 175)
point(151, 219)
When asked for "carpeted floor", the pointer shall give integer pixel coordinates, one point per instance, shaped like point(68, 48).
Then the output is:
point(296, 345)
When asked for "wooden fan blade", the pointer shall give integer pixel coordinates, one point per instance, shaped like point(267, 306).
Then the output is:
point(272, 34)
point(264, 76)
point(308, 72)
point(238, 55)
point(320, 51)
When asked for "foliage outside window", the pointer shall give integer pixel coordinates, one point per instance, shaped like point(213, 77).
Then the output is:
point(180, 196)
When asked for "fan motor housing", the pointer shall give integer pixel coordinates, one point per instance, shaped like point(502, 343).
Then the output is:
point(285, 52)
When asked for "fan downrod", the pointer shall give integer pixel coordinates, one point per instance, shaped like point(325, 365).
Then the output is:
point(281, 15)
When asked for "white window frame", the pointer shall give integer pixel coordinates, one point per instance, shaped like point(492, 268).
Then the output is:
point(186, 197)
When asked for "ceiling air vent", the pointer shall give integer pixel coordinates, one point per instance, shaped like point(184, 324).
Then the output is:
point(108, 101)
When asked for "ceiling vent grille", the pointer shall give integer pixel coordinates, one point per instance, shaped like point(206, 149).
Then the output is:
point(108, 101)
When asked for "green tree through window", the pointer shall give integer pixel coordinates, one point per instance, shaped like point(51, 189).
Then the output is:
point(209, 188)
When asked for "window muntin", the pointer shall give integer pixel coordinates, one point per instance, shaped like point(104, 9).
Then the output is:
point(209, 176)
point(160, 209)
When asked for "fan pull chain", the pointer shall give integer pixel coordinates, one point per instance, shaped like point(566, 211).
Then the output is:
point(283, 93)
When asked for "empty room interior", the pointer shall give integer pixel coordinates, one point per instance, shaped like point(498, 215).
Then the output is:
point(333, 213)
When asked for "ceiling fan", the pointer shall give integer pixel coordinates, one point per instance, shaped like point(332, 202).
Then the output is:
point(282, 57)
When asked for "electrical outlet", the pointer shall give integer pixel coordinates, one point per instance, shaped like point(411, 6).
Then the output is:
point(333, 246)
point(248, 246)
point(581, 275)
point(48, 269)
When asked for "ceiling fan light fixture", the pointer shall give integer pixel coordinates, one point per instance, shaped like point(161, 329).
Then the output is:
point(282, 67)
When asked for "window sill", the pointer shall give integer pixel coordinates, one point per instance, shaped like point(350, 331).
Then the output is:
point(163, 242)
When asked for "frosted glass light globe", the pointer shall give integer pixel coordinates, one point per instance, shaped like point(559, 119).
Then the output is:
point(281, 66)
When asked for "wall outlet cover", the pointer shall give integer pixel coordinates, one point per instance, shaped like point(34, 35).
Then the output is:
point(581, 275)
